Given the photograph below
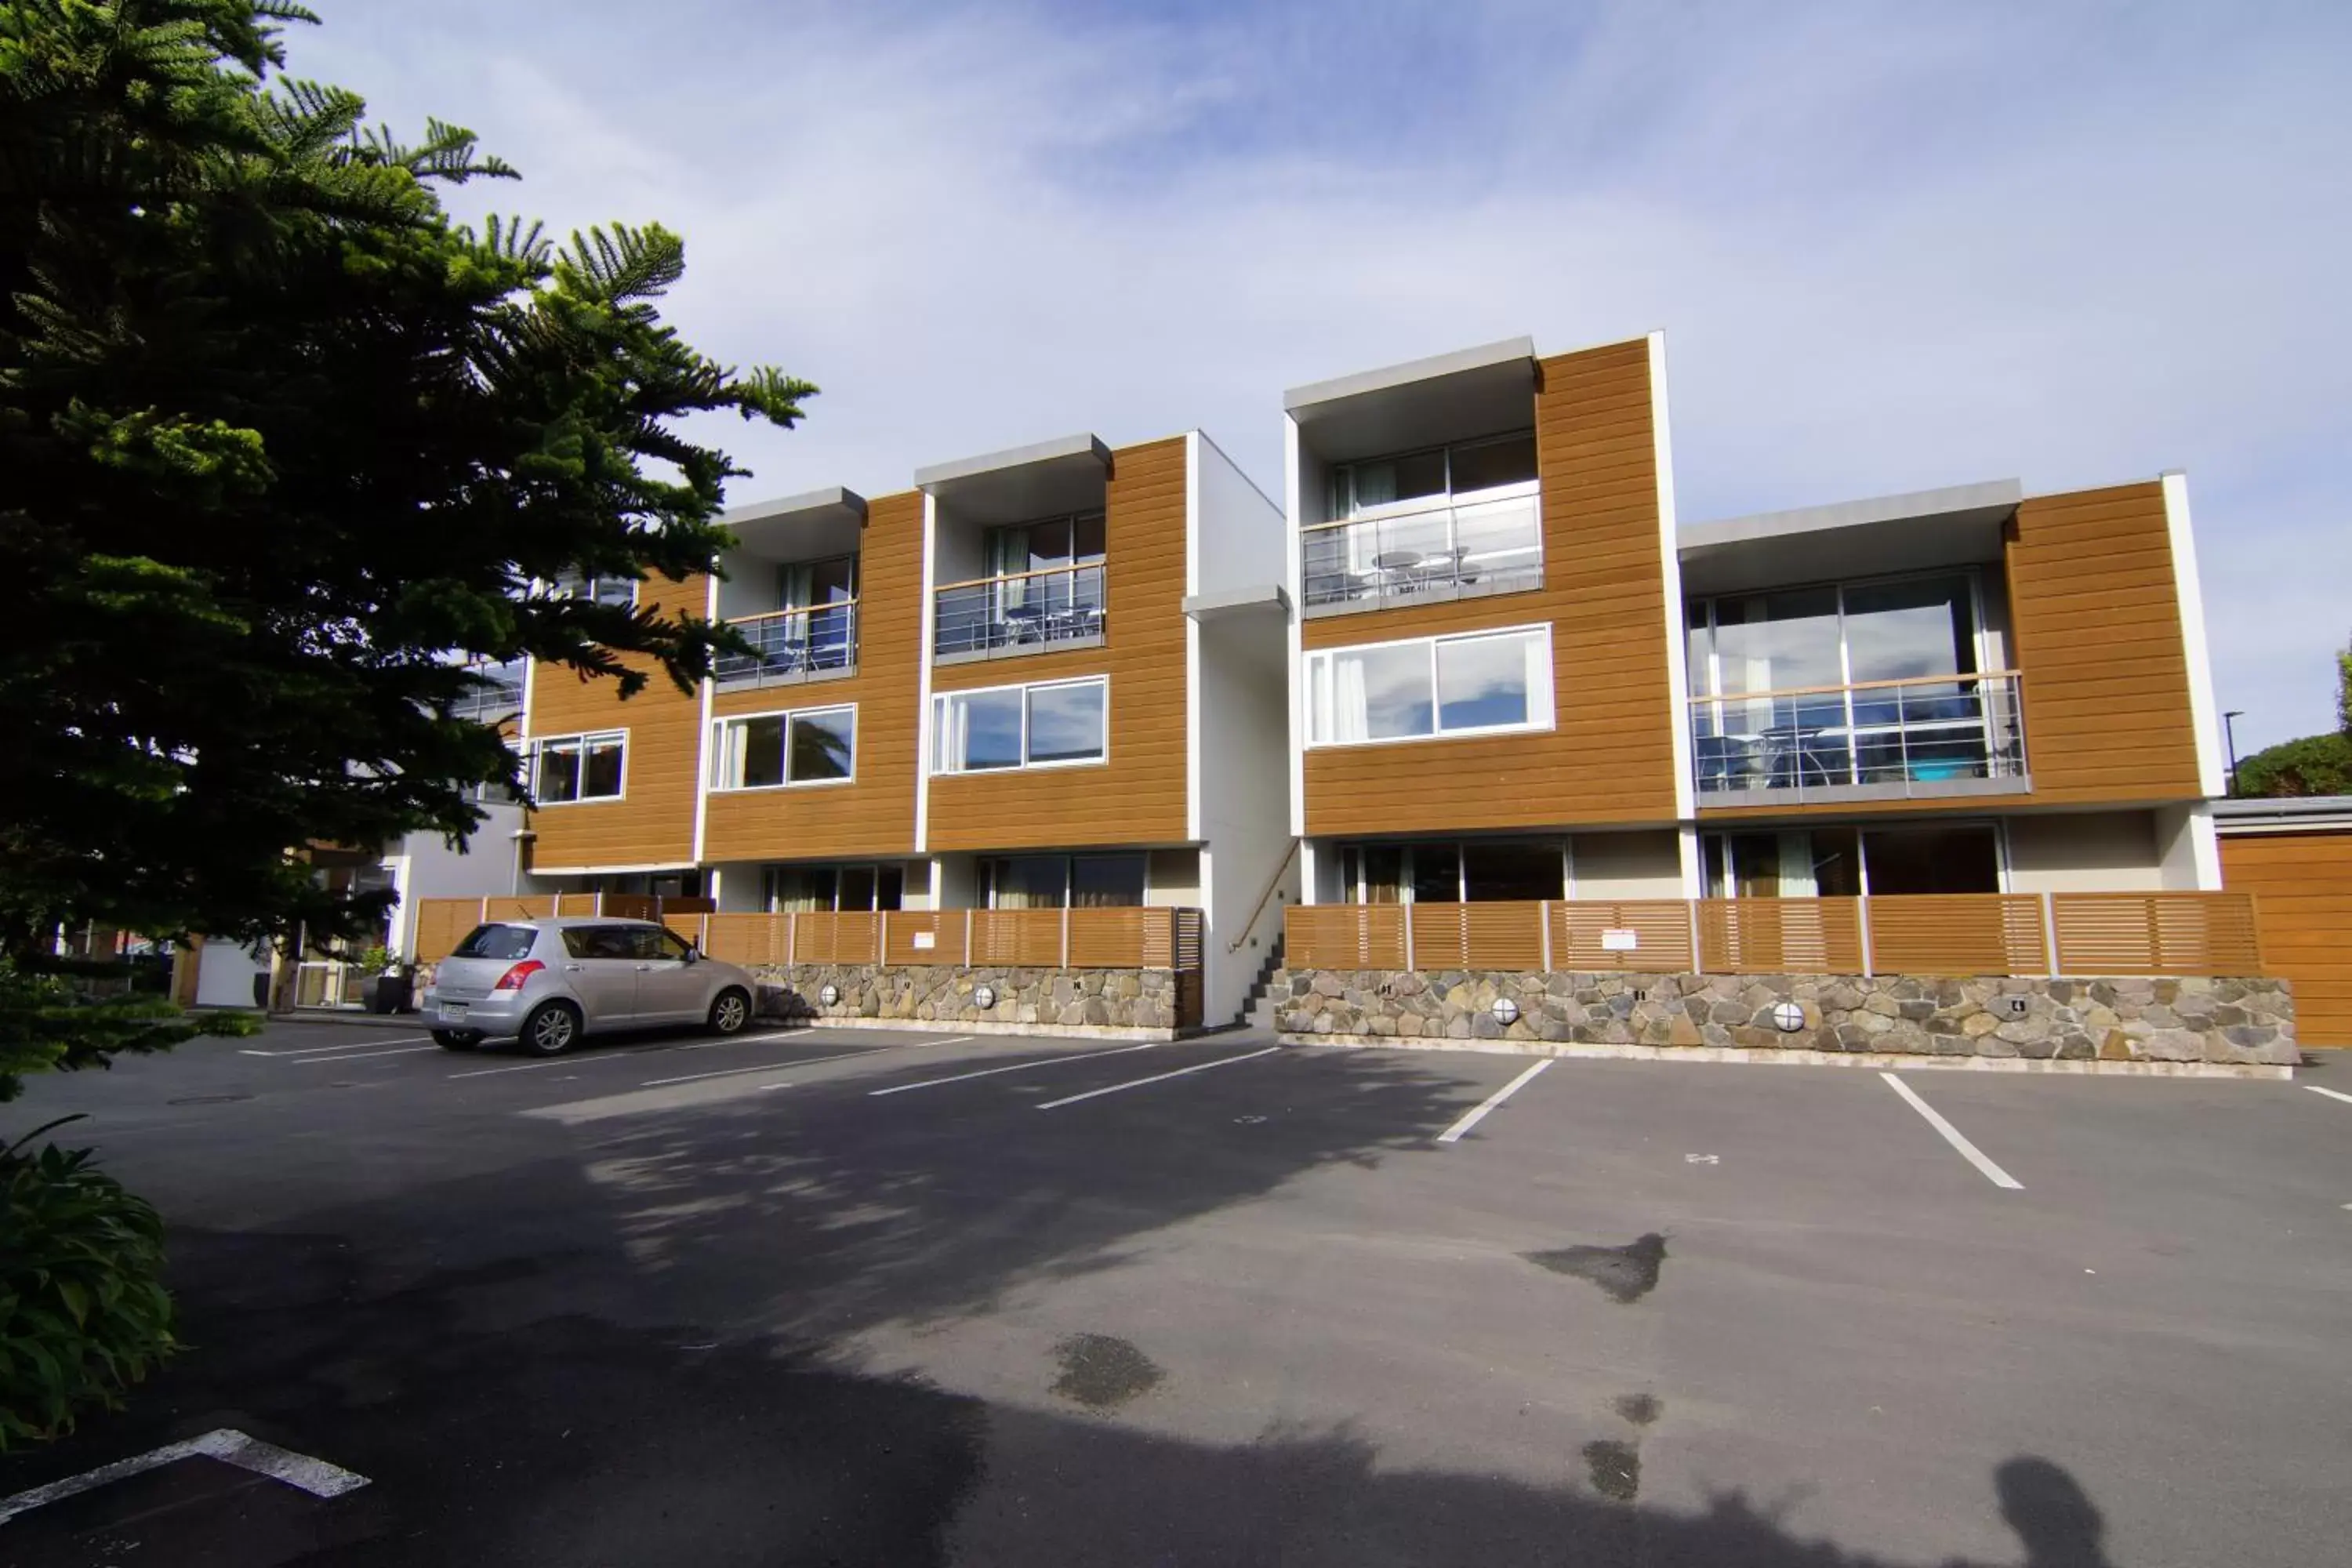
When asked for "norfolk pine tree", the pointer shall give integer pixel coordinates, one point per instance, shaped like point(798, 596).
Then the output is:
point(277, 438)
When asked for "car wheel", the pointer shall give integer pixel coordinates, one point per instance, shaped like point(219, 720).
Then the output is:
point(551, 1029)
point(730, 1012)
point(457, 1039)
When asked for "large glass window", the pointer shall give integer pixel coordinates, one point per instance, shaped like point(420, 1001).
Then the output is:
point(1446, 871)
point(818, 889)
point(1473, 684)
point(1464, 467)
point(764, 751)
point(1058, 881)
point(620, 591)
point(578, 767)
point(1049, 724)
point(1841, 862)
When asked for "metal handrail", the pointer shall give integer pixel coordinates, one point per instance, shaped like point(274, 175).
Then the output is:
point(1862, 685)
point(830, 646)
point(985, 614)
point(1825, 737)
point(1016, 576)
point(1426, 549)
point(848, 604)
point(1272, 882)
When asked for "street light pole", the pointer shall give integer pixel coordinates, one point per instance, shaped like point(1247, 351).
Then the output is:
point(2230, 732)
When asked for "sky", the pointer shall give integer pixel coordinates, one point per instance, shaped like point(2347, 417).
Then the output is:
point(1892, 246)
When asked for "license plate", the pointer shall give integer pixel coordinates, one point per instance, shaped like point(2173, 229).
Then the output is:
point(452, 1012)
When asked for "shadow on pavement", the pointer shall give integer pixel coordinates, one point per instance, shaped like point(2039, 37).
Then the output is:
point(567, 1441)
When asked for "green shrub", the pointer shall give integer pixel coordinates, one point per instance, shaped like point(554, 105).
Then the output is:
point(2316, 764)
point(83, 1312)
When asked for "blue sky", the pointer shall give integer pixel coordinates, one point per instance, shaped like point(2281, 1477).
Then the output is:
point(1892, 246)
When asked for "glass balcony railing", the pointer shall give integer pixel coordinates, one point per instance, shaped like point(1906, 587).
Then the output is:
point(496, 694)
point(1020, 609)
point(1935, 729)
point(1491, 543)
point(793, 644)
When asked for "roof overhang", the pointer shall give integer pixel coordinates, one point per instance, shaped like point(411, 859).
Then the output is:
point(2304, 814)
point(1924, 529)
point(1069, 474)
point(1422, 403)
point(799, 528)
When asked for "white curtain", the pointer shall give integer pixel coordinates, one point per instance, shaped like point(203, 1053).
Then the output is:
point(1537, 648)
point(1796, 865)
point(1346, 700)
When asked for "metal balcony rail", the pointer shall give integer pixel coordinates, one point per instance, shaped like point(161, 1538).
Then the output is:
point(804, 641)
point(1941, 934)
point(496, 694)
point(1931, 730)
point(1015, 609)
point(1489, 544)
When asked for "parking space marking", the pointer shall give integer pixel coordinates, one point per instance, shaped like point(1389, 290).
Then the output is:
point(1969, 1151)
point(1453, 1133)
point(342, 1046)
point(807, 1062)
point(745, 1039)
point(575, 1061)
point(1016, 1067)
point(2330, 1093)
point(360, 1055)
point(227, 1445)
point(1159, 1077)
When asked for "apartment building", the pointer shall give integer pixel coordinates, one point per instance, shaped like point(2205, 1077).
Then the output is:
point(1540, 724)
point(1518, 678)
point(1044, 679)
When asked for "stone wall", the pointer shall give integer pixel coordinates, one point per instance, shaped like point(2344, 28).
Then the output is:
point(1124, 1002)
point(2237, 1021)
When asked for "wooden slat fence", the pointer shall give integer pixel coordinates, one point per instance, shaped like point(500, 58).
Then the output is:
point(1957, 934)
point(1589, 936)
point(1343, 936)
point(2157, 934)
point(1781, 936)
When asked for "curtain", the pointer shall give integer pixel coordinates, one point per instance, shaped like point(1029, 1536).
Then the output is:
point(1350, 717)
point(1537, 649)
point(1796, 865)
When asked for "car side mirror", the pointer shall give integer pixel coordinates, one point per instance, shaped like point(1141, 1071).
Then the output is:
point(693, 955)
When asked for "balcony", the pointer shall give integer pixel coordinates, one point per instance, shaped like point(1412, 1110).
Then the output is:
point(1932, 736)
point(1452, 550)
point(497, 694)
point(805, 644)
point(1020, 611)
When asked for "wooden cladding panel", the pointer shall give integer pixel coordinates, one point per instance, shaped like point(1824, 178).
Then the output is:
point(2303, 883)
point(2095, 617)
point(1137, 797)
point(1611, 756)
point(653, 822)
point(875, 814)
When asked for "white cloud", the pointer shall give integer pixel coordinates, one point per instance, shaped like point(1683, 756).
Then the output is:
point(1891, 247)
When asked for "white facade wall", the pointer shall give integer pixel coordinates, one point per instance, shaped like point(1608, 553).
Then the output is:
point(426, 868)
point(224, 975)
point(1639, 865)
point(2084, 852)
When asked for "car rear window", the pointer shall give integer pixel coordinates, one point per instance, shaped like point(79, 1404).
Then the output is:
point(497, 942)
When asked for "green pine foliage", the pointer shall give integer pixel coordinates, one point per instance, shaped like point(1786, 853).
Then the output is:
point(2315, 765)
point(279, 438)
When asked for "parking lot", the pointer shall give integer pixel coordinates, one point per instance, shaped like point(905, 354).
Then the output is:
point(858, 1296)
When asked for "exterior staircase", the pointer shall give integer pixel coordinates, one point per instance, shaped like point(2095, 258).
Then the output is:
point(1258, 1007)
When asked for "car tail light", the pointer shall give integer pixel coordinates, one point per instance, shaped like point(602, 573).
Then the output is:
point(514, 978)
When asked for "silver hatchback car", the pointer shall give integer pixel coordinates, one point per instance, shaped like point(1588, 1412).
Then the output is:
point(548, 982)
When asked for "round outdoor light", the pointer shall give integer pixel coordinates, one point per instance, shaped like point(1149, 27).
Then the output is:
point(1506, 1011)
point(985, 997)
point(829, 994)
point(1788, 1017)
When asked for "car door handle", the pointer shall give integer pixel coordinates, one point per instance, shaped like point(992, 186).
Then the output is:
point(642, 968)
point(571, 969)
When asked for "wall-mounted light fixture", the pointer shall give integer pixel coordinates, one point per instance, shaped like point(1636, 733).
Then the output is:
point(829, 994)
point(985, 997)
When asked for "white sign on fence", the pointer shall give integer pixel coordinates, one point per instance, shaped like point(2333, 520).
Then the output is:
point(926, 938)
point(1617, 940)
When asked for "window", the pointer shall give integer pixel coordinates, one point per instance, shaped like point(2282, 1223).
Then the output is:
point(1444, 871)
point(820, 888)
point(496, 941)
point(578, 767)
point(1051, 724)
point(1841, 862)
point(620, 591)
point(1476, 684)
point(1059, 881)
point(1906, 629)
point(1465, 469)
point(765, 751)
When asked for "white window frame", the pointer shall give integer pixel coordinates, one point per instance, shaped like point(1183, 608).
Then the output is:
point(1542, 714)
point(542, 744)
point(722, 754)
point(582, 585)
point(944, 730)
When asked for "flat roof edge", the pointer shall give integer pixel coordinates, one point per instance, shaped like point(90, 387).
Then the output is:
point(2267, 807)
point(1387, 376)
point(785, 506)
point(1986, 495)
point(1081, 444)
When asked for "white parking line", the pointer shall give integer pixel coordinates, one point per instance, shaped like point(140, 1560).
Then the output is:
point(230, 1447)
point(2330, 1093)
point(742, 1039)
point(1453, 1133)
point(1016, 1067)
point(360, 1055)
point(1969, 1151)
point(805, 1062)
point(1159, 1077)
point(345, 1045)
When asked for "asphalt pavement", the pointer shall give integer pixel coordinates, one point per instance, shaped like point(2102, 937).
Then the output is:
point(834, 1296)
